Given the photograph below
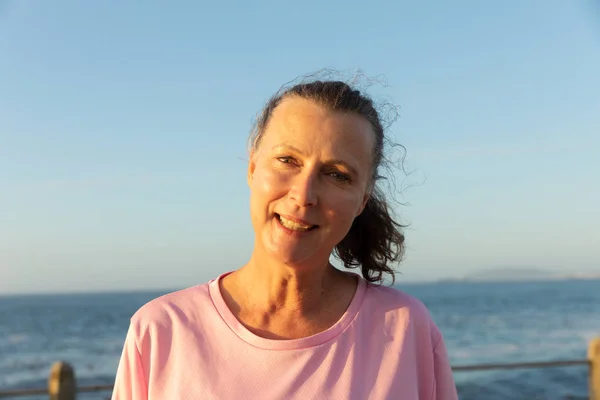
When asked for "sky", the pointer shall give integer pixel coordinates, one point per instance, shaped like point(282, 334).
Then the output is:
point(123, 132)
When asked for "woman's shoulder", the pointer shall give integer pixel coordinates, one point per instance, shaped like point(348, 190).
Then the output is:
point(174, 307)
point(395, 299)
point(398, 308)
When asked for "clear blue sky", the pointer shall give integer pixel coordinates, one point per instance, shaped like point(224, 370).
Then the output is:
point(123, 131)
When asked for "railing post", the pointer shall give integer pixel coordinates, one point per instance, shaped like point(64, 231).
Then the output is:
point(594, 358)
point(61, 383)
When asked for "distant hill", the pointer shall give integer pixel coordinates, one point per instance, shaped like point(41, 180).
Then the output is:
point(512, 274)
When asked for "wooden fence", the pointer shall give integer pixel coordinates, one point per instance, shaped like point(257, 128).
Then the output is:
point(62, 384)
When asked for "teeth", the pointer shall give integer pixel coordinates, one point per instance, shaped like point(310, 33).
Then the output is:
point(294, 225)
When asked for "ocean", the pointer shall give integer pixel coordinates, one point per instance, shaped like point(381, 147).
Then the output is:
point(481, 323)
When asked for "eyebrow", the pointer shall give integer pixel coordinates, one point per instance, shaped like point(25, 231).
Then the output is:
point(336, 162)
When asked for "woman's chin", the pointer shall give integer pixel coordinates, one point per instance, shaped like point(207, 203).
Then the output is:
point(295, 250)
point(294, 255)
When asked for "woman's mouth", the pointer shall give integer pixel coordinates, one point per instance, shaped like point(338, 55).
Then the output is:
point(295, 225)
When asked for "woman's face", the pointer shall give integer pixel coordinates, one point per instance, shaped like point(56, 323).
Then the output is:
point(309, 179)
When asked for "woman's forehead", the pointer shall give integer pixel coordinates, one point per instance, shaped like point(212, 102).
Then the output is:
point(298, 120)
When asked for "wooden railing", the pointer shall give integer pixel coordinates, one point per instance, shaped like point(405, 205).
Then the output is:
point(62, 384)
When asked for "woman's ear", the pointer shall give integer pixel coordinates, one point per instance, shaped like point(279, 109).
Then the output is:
point(365, 200)
point(251, 167)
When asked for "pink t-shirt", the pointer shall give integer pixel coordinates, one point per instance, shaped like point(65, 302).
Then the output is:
point(188, 345)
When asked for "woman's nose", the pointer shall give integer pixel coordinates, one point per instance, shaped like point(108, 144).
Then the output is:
point(304, 190)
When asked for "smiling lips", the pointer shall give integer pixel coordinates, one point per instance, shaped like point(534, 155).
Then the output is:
point(295, 225)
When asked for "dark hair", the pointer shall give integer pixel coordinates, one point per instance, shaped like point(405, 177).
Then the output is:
point(375, 239)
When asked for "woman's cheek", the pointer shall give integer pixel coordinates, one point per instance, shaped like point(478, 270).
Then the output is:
point(271, 181)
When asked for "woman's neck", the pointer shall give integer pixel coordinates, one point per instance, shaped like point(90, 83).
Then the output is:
point(281, 301)
point(280, 288)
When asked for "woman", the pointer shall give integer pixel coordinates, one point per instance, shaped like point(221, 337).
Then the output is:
point(288, 325)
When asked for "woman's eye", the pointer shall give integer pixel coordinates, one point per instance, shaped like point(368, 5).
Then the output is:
point(340, 176)
point(285, 160)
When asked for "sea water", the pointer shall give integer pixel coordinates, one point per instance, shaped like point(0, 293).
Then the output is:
point(481, 323)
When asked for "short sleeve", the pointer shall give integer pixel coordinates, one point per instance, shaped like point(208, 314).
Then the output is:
point(130, 381)
point(445, 388)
